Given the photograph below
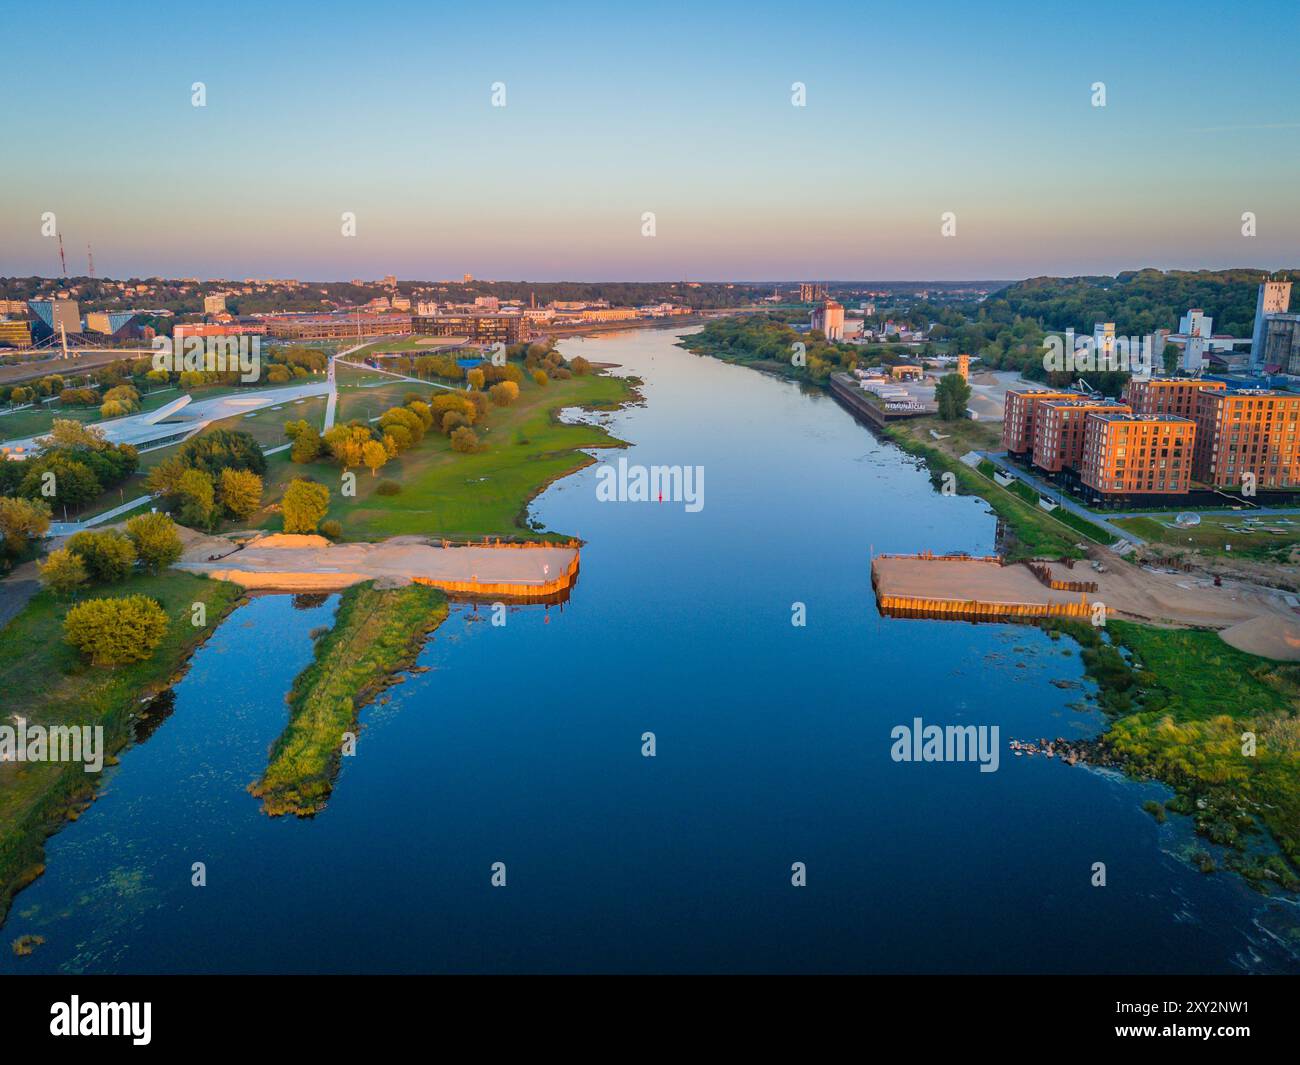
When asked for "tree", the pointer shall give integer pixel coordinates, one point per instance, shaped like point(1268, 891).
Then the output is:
point(504, 393)
point(218, 448)
point(197, 496)
point(241, 492)
point(115, 631)
point(304, 504)
point(63, 572)
point(70, 433)
point(21, 522)
point(579, 365)
point(157, 544)
point(540, 377)
point(952, 393)
point(464, 439)
point(345, 443)
point(373, 455)
point(108, 555)
point(306, 439)
point(475, 378)
point(72, 484)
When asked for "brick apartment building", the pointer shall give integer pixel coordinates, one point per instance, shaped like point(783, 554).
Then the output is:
point(1059, 430)
point(1241, 431)
point(1018, 419)
point(1131, 454)
point(1175, 396)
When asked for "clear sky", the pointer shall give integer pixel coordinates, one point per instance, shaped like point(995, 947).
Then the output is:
point(614, 109)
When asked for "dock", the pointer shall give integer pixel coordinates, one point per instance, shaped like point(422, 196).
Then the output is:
point(519, 572)
point(972, 588)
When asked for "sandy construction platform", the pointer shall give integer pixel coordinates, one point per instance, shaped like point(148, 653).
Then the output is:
point(312, 563)
point(1249, 617)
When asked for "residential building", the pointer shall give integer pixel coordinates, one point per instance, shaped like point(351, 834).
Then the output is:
point(812, 292)
point(1129, 454)
point(1247, 430)
point(214, 304)
point(1059, 430)
point(1174, 396)
point(1018, 416)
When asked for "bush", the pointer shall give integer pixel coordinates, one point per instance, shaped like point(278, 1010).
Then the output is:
point(388, 488)
point(114, 631)
point(157, 544)
point(332, 529)
point(504, 393)
point(540, 377)
point(464, 439)
point(108, 555)
point(63, 572)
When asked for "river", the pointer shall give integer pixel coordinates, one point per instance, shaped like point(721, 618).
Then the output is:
point(522, 744)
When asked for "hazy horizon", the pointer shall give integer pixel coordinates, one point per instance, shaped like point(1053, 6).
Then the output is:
point(912, 111)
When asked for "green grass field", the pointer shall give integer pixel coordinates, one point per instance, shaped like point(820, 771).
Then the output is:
point(1274, 539)
point(46, 681)
point(461, 496)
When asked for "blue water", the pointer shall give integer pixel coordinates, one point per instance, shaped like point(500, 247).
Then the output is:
point(522, 745)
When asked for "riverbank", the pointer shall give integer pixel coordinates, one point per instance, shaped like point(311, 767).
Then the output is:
point(46, 682)
point(1215, 724)
point(443, 493)
point(376, 633)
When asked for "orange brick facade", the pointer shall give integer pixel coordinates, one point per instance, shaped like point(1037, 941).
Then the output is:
point(1240, 432)
point(1018, 418)
point(1168, 396)
point(1059, 429)
point(1142, 455)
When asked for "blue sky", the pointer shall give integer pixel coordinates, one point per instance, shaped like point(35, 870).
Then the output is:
point(912, 110)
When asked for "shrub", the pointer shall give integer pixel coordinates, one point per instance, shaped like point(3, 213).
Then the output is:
point(464, 439)
point(332, 529)
point(21, 522)
point(108, 555)
point(504, 393)
point(579, 365)
point(540, 377)
point(113, 631)
point(388, 488)
point(63, 572)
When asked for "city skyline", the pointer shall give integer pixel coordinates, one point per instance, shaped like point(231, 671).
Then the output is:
point(608, 116)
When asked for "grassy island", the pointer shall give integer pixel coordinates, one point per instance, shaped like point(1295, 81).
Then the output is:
point(376, 633)
point(46, 682)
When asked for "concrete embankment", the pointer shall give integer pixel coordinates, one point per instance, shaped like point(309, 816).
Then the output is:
point(531, 571)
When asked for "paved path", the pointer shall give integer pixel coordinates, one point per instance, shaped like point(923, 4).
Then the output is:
point(1060, 497)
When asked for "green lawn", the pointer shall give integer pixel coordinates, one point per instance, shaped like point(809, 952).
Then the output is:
point(460, 496)
point(46, 681)
point(1268, 541)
